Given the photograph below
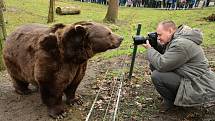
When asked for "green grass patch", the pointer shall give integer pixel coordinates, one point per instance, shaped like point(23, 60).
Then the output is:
point(35, 11)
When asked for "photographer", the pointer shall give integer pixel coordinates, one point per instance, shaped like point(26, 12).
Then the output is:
point(181, 75)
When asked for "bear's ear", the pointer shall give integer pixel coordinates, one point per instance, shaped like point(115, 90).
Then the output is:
point(55, 27)
point(49, 42)
point(75, 33)
point(80, 29)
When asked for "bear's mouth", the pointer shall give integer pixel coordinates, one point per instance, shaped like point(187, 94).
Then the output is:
point(115, 45)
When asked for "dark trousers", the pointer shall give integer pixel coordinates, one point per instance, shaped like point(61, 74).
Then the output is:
point(167, 84)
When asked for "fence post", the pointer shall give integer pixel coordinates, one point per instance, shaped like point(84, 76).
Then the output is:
point(134, 53)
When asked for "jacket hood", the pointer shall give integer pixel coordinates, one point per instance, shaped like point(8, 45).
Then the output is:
point(186, 32)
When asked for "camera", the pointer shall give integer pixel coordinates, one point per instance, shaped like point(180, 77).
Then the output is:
point(152, 38)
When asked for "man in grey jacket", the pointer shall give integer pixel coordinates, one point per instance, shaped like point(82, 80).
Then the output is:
point(181, 75)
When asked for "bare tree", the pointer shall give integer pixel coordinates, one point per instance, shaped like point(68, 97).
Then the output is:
point(2, 31)
point(112, 12)
point(51, 11)
point(2, 23)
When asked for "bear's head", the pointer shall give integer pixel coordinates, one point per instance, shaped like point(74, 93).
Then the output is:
point(102, 37)
point(82, 40)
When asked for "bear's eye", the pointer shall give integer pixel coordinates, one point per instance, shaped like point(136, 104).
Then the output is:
point(109, 33)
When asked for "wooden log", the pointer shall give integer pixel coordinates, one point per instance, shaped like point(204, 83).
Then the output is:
point(210, 18)
point(67, 11)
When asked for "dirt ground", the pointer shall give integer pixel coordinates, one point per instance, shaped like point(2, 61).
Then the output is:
point(139, 101)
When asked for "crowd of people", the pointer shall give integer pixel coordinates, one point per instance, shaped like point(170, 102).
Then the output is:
point(168, 4)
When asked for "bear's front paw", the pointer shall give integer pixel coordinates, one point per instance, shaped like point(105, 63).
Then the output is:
point(57, 112)
point(76, 100)
point(23, 91)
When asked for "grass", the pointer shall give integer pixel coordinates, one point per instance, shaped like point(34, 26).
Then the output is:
point(35, 11)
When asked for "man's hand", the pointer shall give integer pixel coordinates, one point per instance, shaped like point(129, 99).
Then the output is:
point(147, 45)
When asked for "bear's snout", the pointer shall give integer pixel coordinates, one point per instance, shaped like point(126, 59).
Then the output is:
point(121, 38)
point(117, 42)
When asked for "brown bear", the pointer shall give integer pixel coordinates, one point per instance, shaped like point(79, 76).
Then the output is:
point(54, 58)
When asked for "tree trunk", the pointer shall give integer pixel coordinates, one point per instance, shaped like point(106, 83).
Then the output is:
point(51, 11)
point(2, 31)
point(2, 24)
point(2, 4)
point(112, 13)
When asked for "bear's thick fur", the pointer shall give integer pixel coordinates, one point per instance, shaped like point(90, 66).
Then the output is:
point(55, 58)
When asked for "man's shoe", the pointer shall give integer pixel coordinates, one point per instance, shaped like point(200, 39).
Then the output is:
point(165, 106)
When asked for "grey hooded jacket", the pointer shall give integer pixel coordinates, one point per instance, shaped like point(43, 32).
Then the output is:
point(185, 56)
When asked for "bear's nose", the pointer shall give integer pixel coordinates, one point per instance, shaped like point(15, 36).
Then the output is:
point(121, 38)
